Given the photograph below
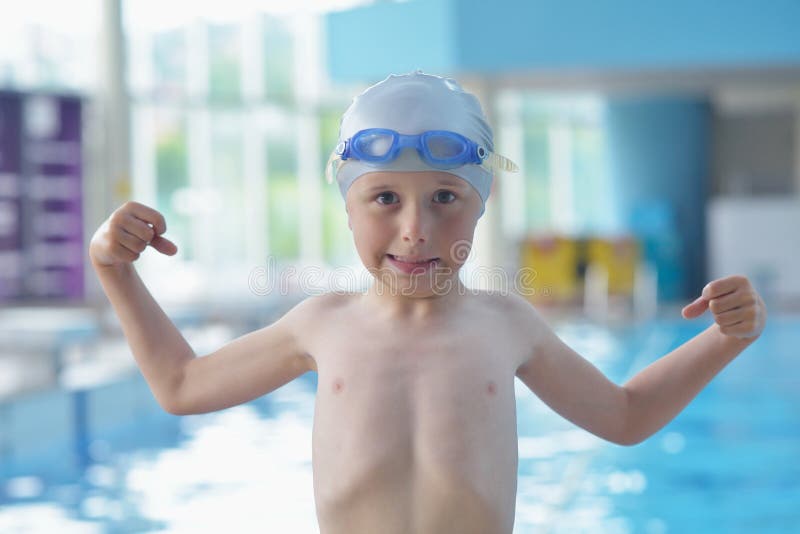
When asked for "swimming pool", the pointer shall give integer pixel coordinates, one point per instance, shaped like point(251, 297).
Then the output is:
point(108, 459)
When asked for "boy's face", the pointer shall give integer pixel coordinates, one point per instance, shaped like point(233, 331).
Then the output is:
point(428, 215)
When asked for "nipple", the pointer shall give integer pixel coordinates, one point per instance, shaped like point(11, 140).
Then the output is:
point(491, 388)
point(338, 385)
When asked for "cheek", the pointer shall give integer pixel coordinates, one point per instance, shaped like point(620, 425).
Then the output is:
point(460, 234)
point(461, 225)
point(369, 234)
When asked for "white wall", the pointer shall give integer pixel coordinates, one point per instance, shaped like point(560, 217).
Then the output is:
point(760, 238)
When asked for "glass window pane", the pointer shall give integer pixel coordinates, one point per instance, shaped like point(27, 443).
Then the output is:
point(169, 63)
point(537, 174)
point(568, 128)
point(226, 203)
point(224, 62)
point(172, 174)
point(284, 203)
point(278, 60)
point(337, 243)
point(587, 171)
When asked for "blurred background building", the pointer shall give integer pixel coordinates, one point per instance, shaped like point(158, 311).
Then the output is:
point(658, 143)
point(661, 126)
point(647, 126)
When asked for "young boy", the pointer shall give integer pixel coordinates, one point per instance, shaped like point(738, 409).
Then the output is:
point(415, 421)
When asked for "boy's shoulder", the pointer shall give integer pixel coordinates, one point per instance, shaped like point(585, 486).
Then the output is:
point(503, 300)
point(314, 305)
point(514, 308)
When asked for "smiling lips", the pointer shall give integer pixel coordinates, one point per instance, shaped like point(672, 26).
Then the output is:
point(411, 259)
point(411, 265)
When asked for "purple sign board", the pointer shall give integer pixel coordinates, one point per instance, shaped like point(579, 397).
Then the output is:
point(40, 152)
point(11, 268)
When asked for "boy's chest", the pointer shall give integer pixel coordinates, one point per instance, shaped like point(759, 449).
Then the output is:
point(392, 401)
point(446, 368)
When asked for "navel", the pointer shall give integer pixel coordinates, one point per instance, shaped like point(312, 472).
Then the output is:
point(491, 388)
point(338, 385)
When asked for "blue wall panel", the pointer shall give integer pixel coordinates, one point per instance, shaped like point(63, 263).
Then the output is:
point(367, 44)
point(576, 34)
point(456, 36)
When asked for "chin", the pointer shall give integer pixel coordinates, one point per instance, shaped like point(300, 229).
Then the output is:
point(411, 286)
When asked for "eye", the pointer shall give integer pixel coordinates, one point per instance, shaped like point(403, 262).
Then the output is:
point(385, 195)
point(443, 196)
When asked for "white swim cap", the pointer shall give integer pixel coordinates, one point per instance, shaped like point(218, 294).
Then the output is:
point(411, 104)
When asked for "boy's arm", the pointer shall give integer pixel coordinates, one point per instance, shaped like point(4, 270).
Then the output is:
point(248, 367)
point(626, 415)
point(244, 369)
point(568, 383)
point(157, 346)
point(660, 391)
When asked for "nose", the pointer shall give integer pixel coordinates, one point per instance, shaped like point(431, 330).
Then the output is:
point(415, 223)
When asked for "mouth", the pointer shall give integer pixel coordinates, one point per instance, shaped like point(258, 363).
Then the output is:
point(412, 260)
point(412, 265)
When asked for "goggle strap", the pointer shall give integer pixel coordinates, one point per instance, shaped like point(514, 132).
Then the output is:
point(329, 171)
point(496, 161)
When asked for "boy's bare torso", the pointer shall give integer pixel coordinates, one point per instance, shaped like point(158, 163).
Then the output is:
point(415, 421)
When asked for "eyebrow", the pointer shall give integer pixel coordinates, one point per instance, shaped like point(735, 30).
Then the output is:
point(441, 182)
point(452, 182)
point(374, 187)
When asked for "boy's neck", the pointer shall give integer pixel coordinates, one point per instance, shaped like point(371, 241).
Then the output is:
point(415, 307)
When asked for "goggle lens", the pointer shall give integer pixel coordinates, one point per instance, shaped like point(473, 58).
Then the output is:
point(375, 145)
point(443, 147)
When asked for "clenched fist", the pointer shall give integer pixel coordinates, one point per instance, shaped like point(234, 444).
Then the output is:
point(737, 307)
point(126, 233)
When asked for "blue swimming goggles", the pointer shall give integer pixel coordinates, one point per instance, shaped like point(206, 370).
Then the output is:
point(441, 149)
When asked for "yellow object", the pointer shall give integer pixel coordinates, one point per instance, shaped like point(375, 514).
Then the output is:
point(549, 269)
point(619, 258)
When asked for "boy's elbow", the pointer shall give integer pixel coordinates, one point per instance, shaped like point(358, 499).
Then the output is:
point(629, 440)
point(172, 396)
point(172, 406)
point(177, 403)
point(622, 437)
point(174, 409)
point(628, 433)
point(172, 399)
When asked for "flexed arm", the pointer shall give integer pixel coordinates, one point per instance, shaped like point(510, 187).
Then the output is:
point(158, 347)
point(629, 414)
point(243, 369)
point(660, 391)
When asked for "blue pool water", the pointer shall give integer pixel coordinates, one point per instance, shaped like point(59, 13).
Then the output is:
point(110, 460)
